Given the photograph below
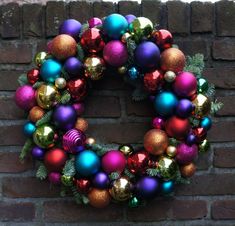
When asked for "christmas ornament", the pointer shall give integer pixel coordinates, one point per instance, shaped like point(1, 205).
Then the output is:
point(167, 167)
point(60, 83)
point(202, 105)
point(126, 149)
point(90, 141)
point(204, 146)
point(134, 202)
point(73, 67)
point(101, 180)
point(99, 198)
point(184, 108)
point(167, 187)
point(155, 141)
point(29, 129)
point(38, 153)
point(77, 88)
point(188, 170)
point(171, 151)
point(191, 139)
point(158, 123)
point(186, 154)
point(133, 73)
point(36, 113)
point(122, 70)
point(71, 27)
point(40, 58)
point(202, 85)
point(206, 123)
point(170, 76)
point(54, 177)
point(79, 108)
point(163, 38)
point(33, 76)
point(94, 22)
point(66, 180)
point(153, 81)
point(130, 18)
point(81, 124)
point(125, 37)
point(83, 185)
point(200, 133)
point(94, 67)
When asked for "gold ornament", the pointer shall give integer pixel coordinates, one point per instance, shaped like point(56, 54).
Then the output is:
point(126, 149)
point(94, 67)
point(67, 180)
point(40, 58)
point(188, 170)
point(121, 189)
point(204, 146)
point(125, 37)
point(202, 105)
point(171, 151)
point(122, 70)
point(169, 76)
point(60, 83)
point(167, 167)
point(47, 96)
point(81, 124)
point(90, 141)
point(99, 198)
point(36, 113)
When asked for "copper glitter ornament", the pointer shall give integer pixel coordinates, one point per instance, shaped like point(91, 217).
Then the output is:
point(188, 170)
point(81, 124)
point(36, 113)
point(99, 198)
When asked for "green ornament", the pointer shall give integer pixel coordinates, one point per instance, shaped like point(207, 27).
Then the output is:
point(204, 146)
point(134, 202)
point(202, 85)
point(167, 168)
point(67, 180)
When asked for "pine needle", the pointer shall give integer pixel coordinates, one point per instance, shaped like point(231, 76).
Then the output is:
point(69, 168)
point(22, 80)
point(65, 98)
point(41, 172)
point(216, 106)
point(45, 119)
point(26, 149)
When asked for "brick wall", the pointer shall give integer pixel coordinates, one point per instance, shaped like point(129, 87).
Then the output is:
point(198, 27)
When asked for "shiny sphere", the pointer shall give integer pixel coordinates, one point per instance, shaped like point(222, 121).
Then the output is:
point(73, 67)
point(36, 113)
point(33, 76)
point(202, 85)
point(60, 83)
point(130, 18)
point(202, 105)
point(81, 124)
point(99, 198)
point(206, 123)
point(38, 153)
point(54, 177)
point(122, 70)
point(184, 108)
point(163, 38)
point(90, 141)
point(170, 76)
point(185, 153)
point(101, 180)
point(70, 27)
point(126, 149)
point(167, 187)
point(188, 170)
point(94, 22)
point(167, 168)
point(40, 58)
point(29, 129)
point(158, 123)
point(171, 151)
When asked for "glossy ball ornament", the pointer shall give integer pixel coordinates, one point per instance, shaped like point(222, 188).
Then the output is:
point(184, 108)
point(163, 38)
point(137, 163)
point(71, 27)
point(113, 161)
point(202, 85)
point(191, 139)
point(40, 58)
point(94, 22)
point(54, 177)
point(167, 187)
point(33, 76)
point(206, 123)
point(25, 97)
point(115, 53)
point(122, 70)
point(99, 198)
point(204, 146)
point(36, 113)
point(92, 41)
point(77, 88)
point(83, 185)
point(158, 123)
point(73, 67)
point(170, 76)
point(134, 202)
point(90, 141)
point(186, 154)
point(67, 180)
point(60, 83)
point(79, 108)
point(50, 70)
point(47, 96)
point(167, 168)
point(133, 73)
point(202, 105)
point(63, 46)
point(64, 117)
point(200, 133)
point(188, 170)
point(147, 55)
point(177, 127)
point(130, 18)
point(55, 159)
point(121, 189)
point(147, 187)
point(44, 136)
point(126, 149)
point(185, 84)
point(29, 129)
point(38, 153)
point(94, 67)
point(171, 151)
point(165, 103)
point(115, 25)
point(125, 37)
point(81, 124)
point(101, 180)
point(153, 81)
point(172, 59)
point(87, 163)
point(155, 141)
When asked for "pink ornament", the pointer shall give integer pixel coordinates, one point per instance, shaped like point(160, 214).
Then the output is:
point(95, 21)
point(54, 177)
point(25, 97)
point(185, 84)
point(186, 154)
point(158, 123)
point(79, 107)
point(115, 53)
point(113, 161)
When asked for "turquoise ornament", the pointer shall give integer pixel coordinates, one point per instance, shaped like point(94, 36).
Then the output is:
point(50, 70)
point(29, 129)
point(115, 25)
point(167, 187)
point(165, 103)
point(206, 123)
point(87, 163)
point(133, 73)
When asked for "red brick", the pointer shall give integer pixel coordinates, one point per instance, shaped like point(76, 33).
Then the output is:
point(103, 9)
point(69, 211)
point(228, 108)
point(28, 187)
point(153, 15)
point(9, 80)
point(84, 8)
point(224, 157)
point(224, 49)
point(10, 163)
point(20, 211)
point(127, 7)
point(223, 210)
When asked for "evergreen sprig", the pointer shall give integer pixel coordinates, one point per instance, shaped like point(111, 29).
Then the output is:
point(195, 64)
point(114, 176)
point(76, 194)
point(41, 172)
point(216, 106)
point(131, 46)
point(139, 94)
point(26, 149)
point(45, 119)
point(64, 74)
point(80, 53)
point(173, 142)
point(181, 180)
point(22, 80)
point(194, 121)
point(128, 173)
point(153, 172)
point(65, 97)
point(211, 91)
point(69, 168)
point(37, 84)
point(98, 149)
point(85, 26)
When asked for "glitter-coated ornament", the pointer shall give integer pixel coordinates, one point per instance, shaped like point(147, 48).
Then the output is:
point(81, 124)
point(38, 153)
point(204, 146)
point(67, 180)
point(94, 22)
point(60, 83)
point(71, 27)
point(40, 58)
point(83, 185)
point(36, 113)
point(171, 151)
point(29, 129)
point(133, 73)
point(126, 149)
point(186, 154)
point(167, 167)
point(202, 105)
point(77, 88)
point(73, 67)
point(170, 76)
point(54, 177)
point(202, 85)
point(99, 198)
point(33, 76)
point(163, 38)
point(94, 67)
point(191, 139)
point(153, 81)
point(188, 170)
point(101, 180)
point(158, 123)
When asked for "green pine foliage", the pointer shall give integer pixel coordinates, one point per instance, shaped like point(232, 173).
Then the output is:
point(98, 149)
point(69, 168)
point(216, 106)
point(37, 85)
point(181, 180)
point(153, 172)
point(65, 97)
point(77, 195)
point(80, 53)
point(64, 74)
point(22, 80)
point(114, 176)
point(128, 173)
point(41, 172)
point(28, 145)
point(45, 119)
point(211, 91)
point(195, 64)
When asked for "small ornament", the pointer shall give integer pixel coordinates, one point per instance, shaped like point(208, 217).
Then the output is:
point(167, 168)
point(191, 139)
point(60, 83)
point(188, 170)
point(81, 124)
point(171, 151)
point(71, 27)
point(101, 180)
point(90, 141)
point(206, 123)
point(40, 58)
point(202, 85)
point(170, 76)
point(94, 67)
point(133, 73)
point(67, 180)
point(94, 22)
point(155, 141)
point(134, 202)
point(204, 146)
point(126, 149)
point(202, 105)
point(73, 67)
point(38, 153)
point(158, 123)
point(121, 189)
point(153, 81)
point(77, 88)
point(184, 108)
point(122, 70)
point(83, 185)
point(33, 76)
point(167, 187)
point(163, 38)
point(36, 113)
point(29, 129)
point(79, 108)
point(125, 37)
point(54, 177)
point(130, 18)
point(200, 133)
point(185, 153)
point(99, 198)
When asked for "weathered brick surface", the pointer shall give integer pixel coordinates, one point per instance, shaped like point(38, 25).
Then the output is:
point(153, 15)
point(224, 157)
point(102, 9)
point(84, 8)
point(9, 80)
point(224, 49)
point(223, 209)
point(128, 7)
point(228, 108)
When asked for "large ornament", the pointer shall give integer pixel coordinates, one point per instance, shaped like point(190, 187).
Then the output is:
point(186, 154)
point(138, 162)
point(101, 180)
point(33, 76)
point(77, 88)
point(202, 105)
point(167, 168)
point(163, 38)
point(188, 170)
point(40, 58)
point(73, 67)
point(184, 108)
point(71, 27)
point(153, 81)
point(99, 198)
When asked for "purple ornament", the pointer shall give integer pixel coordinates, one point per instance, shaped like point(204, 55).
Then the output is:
point(147, 55)
point(25, 97)
point(147, 187)
point(184, 108)
point(130, 18)
point(65, 117)
point(101, 180)
point(38, 152)
point(54, 177)
point(71, 27)
point(158, 123)
point(95, 21)
point(79, 108)
point(191, 139)
point(73, 66)
point(186, 154)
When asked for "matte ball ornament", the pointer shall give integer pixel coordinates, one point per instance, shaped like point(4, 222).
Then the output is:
point(202, 105)
point(155, 141)
point(81, 124)
point(184, 108)
point(165, 103)
point(78, 89)
point(29, 129)
point(171, 151)
point(185, 84)
point(92, 41)
point(33, 76)
point(153, 81)
point(163, 38)
point(170, 76)
point(60, 83)
point(50, 70)
point(83, 185)
point(47, 96)
point(87, 163)
point(130, 18)
point(38, 153)
point(121, 189)
point(186, 154)
point(40, 58)
point(115, 25)
point(115, 53)
point(54, 177)
point(202, 85)
point(167, 187)
point(55, 159)
point(25, 97)
point(99, 198)
point(36, 113)
point(79, 108)
point(133, 73)
point(101, 180)
point(172, 59)
point(204, 146)
point(158, 123)
point(44, 136)
point(71, 27)
point(94, 22)
point(147, 55)
point(167, 168)
point(188, 170)
point(126, 149)
point(206, 123)
point(113, 161)
point(177, 127)
point(73, 67)
point(63, 46)
point(94, 67)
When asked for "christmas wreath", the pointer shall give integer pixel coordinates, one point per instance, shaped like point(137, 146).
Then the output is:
point(53, 94)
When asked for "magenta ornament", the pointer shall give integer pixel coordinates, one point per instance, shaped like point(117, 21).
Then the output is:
point(54, 177)
point(185, 153)
point(158, 123)
point(79, 108)
point(95, 21)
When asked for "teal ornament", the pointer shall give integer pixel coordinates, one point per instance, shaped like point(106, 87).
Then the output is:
point(165, 103)
point(87, 163)
point(115, 25)
point(50, 70)
point(206, 123)
point(29, 129)
point(133, 73)
point(167, 187)
point(202, 85)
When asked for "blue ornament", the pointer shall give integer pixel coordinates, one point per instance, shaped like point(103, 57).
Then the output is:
point(167, 187)
point(115, 25)
point(87, 163)
point(29, 129)
point(191, 139)
point(133, 73)
point(206, 123)
point(165, 103)
point(50, 70)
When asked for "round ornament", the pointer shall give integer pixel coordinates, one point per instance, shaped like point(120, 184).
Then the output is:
point(170, 76)
point(73, 67)
point(163, 38)
point(83, 185)
point(167, 167)
point(206, 123)
point(188, 170)
point(184, 108)
point(101, 180)
point(126, 149)
point(153, 81)
point(77, 88)
point(71, 27)
point(186, 154)
point(40, 58)
point(54, 177)
point(60, 83)
point(38, 153)
point(36, 113)
point(202, 85)
point(202, 105)
point(29, 129)
point(81, 124)
point(130, 18)
point(99, 198)
point(79, 108)
point(158, 123)
point(33, 76)
point(94, 22)
point(171, 151)
point(167, 187)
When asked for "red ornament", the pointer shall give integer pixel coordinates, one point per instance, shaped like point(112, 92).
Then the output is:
point(200, 133)
point(138, 162)
point(177, 127)
point(33, 76)
point(55, 159)
point(153, 81)
point(77, 88)
point(83, 185)
point(92, 41)
point(163, 38)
